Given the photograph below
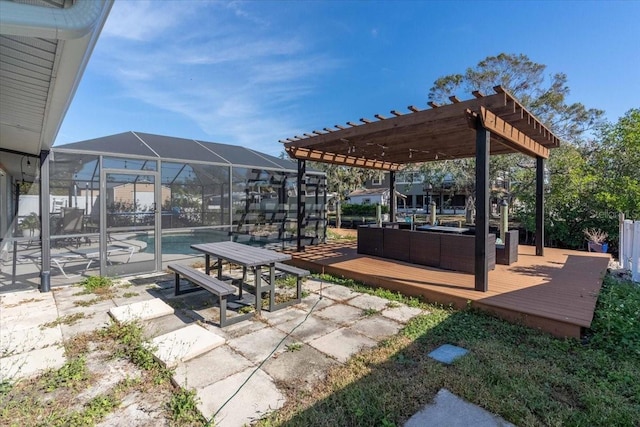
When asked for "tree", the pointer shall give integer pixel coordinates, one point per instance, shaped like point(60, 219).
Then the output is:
point(616, 163)
point(544, 97)
point(343, 179)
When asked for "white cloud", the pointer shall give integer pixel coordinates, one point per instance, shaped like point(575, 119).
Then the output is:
point(143, 19)
point(231, 73)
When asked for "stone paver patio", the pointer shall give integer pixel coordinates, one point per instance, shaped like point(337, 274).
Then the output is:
point(342, 323)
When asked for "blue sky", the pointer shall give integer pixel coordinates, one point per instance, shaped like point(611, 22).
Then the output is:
point(251, 73)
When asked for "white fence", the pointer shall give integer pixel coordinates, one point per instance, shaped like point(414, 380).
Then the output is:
point(630, 247)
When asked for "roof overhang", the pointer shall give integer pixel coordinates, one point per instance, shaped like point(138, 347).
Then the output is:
point(45, 48)
point(439, 133)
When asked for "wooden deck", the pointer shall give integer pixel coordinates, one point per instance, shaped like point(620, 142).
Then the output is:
point(556, 293)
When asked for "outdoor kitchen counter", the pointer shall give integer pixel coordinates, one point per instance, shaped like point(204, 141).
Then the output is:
point(435, 249)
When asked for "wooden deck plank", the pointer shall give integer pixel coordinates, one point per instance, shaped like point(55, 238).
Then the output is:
point(556, 293)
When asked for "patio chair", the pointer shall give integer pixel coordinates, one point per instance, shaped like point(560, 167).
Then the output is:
point(83, 256)
point(72, 222)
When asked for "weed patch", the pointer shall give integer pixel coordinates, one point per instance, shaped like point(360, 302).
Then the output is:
point(55, 398)
point(296, 346)
point(69, 319)
point(365, 289)
point(71, 375)
point(96, 285)
point(183, 408)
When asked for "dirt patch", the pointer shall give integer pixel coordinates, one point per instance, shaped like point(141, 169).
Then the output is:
point(344, 232)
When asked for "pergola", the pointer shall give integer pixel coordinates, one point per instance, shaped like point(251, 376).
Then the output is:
point(479, 127)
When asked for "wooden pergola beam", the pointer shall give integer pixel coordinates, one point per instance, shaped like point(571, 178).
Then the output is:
point(430, 117)
point(439, 133)
point(513, 137)
point(342, 159)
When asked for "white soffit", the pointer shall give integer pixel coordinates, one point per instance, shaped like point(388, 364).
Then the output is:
point(44, 49)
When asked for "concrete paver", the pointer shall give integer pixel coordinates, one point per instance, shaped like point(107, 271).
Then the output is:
point(183, 344)
point(300, 368)
point(27, 308)
point(342, 344)
point(165, 324)
point(257, 398)
point(89, 323)
point(256, 346)
point(312, 328)
point(30, 363)
point(341, 313)
point(281, 316)
point(16, 339)
point(142, 310)
point(339, 293)
point(402, 313)
point(365, 301)
point(376, 327)
point(218, 364)
point(449, 410)
point(314, 301)
point(12, 299)
point(314, 285)
point(238, 329)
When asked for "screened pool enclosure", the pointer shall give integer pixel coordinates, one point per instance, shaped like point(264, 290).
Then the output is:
point(128, 203)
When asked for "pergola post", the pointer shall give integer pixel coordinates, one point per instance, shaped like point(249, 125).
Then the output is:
point(539, 206)
point(482, 207)
point(392, 197)
point(302, 189)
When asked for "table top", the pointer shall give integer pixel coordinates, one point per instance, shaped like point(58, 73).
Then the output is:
point(238, 253)
point(443, 229)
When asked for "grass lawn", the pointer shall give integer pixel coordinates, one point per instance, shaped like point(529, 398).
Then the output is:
point(527, 377)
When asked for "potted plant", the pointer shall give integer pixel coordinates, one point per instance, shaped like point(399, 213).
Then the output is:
point(32, 223)
point(596, 240)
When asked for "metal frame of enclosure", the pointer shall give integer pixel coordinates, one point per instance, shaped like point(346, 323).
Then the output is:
point(157, 195)
point(492, 124)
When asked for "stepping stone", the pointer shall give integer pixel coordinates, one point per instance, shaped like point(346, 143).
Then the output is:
point(29, 364)
point(183, 344)
point(143, 310)
point(448, 353)
point(450, 410)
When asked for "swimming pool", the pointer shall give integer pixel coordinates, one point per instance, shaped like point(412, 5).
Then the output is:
point(179, 243)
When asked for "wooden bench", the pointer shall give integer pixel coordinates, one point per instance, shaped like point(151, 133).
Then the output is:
point(293, 271)
point(217, 287)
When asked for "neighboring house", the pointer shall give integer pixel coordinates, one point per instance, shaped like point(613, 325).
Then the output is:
point(140, 194)
point(374, 196)
point(419, 192)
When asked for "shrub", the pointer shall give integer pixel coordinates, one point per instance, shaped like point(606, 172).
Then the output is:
point(362, 210)
point(616, 323)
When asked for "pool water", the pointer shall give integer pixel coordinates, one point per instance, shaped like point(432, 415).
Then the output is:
point(179, 243)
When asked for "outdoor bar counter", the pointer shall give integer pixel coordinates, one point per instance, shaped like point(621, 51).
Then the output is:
point(442, 250)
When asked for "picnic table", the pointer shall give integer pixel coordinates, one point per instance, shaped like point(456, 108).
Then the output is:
point(247, 257)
